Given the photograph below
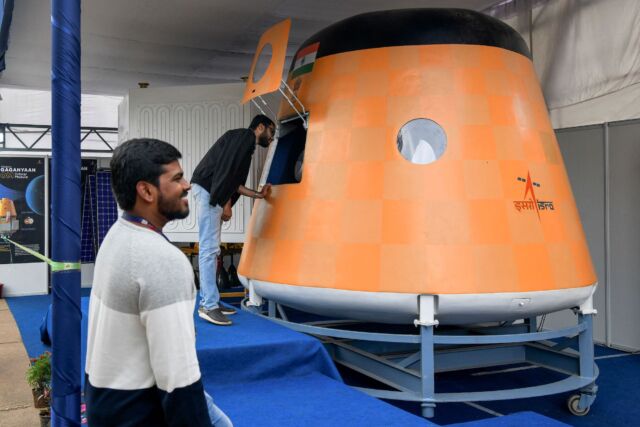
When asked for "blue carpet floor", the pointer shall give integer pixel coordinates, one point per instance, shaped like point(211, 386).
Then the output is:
point(255, 349)
point(614, 406)
point(247, 378)
point(521, 419)
point(312, 400)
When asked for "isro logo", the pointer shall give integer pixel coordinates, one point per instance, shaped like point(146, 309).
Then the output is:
point(530, 202)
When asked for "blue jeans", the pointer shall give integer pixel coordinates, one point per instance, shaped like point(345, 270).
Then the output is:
point(210, 227)
point(218, 418)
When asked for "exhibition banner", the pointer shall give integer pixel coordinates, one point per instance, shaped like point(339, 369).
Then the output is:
point(22, 208)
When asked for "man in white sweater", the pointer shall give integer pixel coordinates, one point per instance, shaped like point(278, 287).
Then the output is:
point(141, 367)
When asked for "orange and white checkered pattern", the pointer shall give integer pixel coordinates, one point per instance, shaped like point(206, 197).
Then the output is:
point(364, 218)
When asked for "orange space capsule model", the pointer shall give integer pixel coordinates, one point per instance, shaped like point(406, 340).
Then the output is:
point(415, 157)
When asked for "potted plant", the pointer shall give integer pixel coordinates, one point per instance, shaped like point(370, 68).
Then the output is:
point(39, 378)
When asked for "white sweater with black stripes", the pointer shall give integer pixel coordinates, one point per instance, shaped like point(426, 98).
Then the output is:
point(141, 362)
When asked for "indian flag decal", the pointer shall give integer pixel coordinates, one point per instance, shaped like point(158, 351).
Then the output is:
point(304, 60)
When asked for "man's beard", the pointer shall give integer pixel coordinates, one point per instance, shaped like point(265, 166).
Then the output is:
point(263, 139)
point(171, 212)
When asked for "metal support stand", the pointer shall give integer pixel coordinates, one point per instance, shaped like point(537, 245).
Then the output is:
point(588, 369)
point(428, 404)
point(290, 96)
point(407, 362)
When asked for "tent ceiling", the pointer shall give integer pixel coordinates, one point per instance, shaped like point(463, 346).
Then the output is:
point(173, 42)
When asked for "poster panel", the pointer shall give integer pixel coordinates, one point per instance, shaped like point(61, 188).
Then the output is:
point(22, 207)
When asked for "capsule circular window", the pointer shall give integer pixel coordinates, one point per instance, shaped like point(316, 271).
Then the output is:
point(422, 141)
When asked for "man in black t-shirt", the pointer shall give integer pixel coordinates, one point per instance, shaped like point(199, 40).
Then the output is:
point(218, 182)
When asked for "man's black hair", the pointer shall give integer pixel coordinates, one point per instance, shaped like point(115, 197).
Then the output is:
point(137, 160)
point(261, 119)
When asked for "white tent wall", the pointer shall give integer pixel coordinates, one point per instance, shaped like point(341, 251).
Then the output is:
point(192, 118)
point(588, 58)
point(33, 107)
point(586, 54)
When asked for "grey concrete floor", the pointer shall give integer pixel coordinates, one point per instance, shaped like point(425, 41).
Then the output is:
point(16, 400)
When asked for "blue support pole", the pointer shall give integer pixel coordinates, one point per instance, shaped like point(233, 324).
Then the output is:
point(6, 13)
point(587, 357)
point(65, 211)
point(272, 308)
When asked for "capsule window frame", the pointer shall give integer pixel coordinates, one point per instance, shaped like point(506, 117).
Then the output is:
point(427, 142)
point(281, 164)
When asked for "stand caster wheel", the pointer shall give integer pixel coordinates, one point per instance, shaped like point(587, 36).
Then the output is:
point(573, 405)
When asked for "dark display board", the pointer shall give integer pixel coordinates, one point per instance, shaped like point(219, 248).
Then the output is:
point(22, 193)
point(88, 169)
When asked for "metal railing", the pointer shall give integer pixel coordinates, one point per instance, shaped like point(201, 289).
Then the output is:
point(24, 137)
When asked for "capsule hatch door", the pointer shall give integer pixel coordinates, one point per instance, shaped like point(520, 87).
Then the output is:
point(268, 63)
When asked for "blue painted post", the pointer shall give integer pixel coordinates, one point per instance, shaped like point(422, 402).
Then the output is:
point(65, 211)
point(427, 371)
point(6, 14)
point(587, 360)
point(532, 323)
point(272, 309)
point(585, 344)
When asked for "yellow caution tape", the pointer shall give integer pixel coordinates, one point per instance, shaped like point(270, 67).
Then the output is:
point(55, 265)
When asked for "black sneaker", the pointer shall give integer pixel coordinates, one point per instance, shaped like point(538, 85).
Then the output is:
point(215, 316)
point(228, 310)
